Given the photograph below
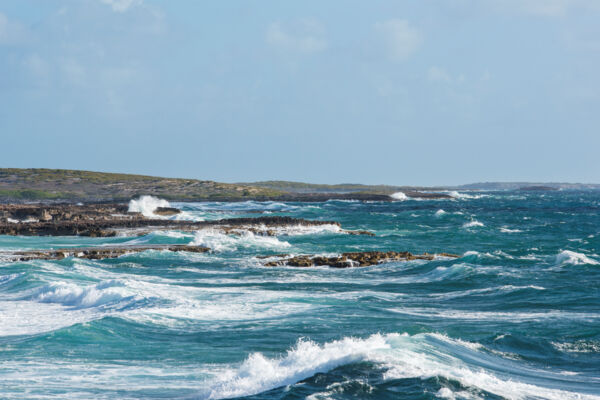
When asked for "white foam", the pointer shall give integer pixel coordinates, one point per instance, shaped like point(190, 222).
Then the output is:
point(32, 317)
point(508, 230)
point(219, 241)
point(306, 230)
point(400, 196)
point(574, 258)
point(489, 290)
point(514, 317)
point(580, 346)
point(294, 230)
point(464, 196)
point(147, 204)
point(472, 224)
point(403, 356)
point(70, 294)
point(440, 213)
point(259, 373)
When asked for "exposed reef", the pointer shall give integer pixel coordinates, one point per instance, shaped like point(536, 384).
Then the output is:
point(95, 253)
point(347, 260)
point(105, 220)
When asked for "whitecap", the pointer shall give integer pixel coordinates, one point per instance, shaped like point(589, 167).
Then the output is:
point(508, 230)
point(472, 224)
point(574, 258)
point(70, 294)
point(400, 196)
point(580, 346)
point(402, 356)
point(440, 213)
point(147, 204)
point(219, 241)
point(464, 196)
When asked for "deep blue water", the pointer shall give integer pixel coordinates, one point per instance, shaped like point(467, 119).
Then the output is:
point(516, 316)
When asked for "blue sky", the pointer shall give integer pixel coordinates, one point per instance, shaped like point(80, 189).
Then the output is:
point(398, 92)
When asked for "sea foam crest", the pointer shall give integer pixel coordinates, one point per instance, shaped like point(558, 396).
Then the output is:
point(147, 204)
point(509, 230)
point(574, 258)
point(472, 224)
point(259, 373)
point(400, 196)
point(219, 241)
point(403, 356)
point(69, 294)
point(464, 196)
point(439, 213)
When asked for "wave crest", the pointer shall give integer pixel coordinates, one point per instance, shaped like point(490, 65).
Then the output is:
point(219, 241)
point(400, 196)
point(69, 294)
point(574, 258)
point(147, 204)
point(402, 356)
point(473, 224)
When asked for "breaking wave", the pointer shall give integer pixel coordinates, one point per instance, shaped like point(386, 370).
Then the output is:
point(69, 294)
point(473, 224)
point(464, 196)
point(146, 205)
point(574, 258)
point(508, 230)
point(400, 196)
point(218, 241)
point(400, 356)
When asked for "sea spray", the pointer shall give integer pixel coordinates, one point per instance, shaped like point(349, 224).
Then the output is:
point(147, 205)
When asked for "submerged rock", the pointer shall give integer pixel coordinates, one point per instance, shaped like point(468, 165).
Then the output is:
point(353, 259)
point(97, 253)
point(166, 211)
point(102, 220)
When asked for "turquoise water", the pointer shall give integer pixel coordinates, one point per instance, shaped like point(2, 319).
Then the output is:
point(516, 316)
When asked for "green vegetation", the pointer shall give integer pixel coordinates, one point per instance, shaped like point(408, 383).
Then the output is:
point(56, 184)
point(300, 187)
point(33, 194)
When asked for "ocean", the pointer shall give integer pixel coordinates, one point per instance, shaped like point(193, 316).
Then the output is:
point(516, 316)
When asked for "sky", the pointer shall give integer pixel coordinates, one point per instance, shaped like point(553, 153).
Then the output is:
point(397, 92)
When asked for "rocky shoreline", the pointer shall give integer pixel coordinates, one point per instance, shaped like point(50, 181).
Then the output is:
point(105, 220)
point(97, 253)
point(348, 260)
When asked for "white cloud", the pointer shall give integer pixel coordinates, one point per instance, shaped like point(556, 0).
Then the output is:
point(401, 39)
point(11, 32)
point(304, 36)
point(438, 74)
point(121, 5)
point(36, 65)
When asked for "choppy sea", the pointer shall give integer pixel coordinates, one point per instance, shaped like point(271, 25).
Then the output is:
point(516, 316)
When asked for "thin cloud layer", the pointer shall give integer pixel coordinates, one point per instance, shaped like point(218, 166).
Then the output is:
point(121, 5)
point(302, 36)
point(401, 39)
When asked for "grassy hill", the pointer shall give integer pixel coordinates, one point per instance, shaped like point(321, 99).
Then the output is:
point(300, 187)
point(57, 184)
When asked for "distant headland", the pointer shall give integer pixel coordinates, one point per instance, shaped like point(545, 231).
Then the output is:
point(60, 185)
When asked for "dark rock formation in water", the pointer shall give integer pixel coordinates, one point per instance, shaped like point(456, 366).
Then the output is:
point(354, 259)
point(166, 211)
point(103, 220)
point(96, 253)
point(537, 188)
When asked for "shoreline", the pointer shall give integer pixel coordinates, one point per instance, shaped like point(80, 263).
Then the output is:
point(291, 197)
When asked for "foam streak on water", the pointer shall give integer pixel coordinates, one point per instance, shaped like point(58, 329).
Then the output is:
point(516, 316)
